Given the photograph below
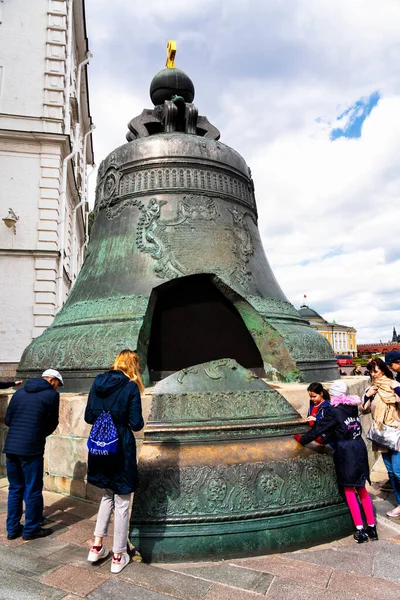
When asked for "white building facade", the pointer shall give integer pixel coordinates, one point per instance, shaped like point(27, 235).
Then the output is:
point(341, 337)
point(45, 152)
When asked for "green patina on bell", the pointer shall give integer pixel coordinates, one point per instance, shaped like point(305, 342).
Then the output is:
point(175, 264)
point(220, 474)
point(175, 268)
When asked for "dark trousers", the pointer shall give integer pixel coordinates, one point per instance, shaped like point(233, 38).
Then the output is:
point(25, 478)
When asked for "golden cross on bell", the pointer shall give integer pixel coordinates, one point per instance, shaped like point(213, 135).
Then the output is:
point(171, 51)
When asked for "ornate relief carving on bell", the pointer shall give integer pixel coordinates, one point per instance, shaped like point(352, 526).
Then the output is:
point(220, 474)
point(175, 254)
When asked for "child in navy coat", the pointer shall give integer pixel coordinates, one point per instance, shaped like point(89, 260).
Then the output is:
point(319, 402)
point(341, 425)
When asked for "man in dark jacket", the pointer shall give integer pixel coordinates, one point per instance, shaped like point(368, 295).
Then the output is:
point(31, 416)
point(392, 359)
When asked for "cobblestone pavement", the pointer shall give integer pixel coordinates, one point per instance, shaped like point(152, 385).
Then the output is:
point(56, 567)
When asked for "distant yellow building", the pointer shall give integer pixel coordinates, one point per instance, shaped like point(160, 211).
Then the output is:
point(341, 338)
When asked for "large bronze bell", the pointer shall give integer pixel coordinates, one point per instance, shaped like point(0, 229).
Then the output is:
point(175, 265)
point(175, 268)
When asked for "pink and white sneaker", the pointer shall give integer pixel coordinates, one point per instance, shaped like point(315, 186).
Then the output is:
point(117, 564)
point(95, 554)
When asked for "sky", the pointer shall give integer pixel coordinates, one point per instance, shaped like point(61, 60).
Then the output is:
point(308, 92)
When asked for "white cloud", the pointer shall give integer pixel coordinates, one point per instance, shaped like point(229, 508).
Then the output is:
point(274, 77)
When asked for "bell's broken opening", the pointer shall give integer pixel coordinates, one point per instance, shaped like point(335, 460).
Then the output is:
point(193, 323)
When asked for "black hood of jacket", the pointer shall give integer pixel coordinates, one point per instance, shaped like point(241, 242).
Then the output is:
point(109, 382)
point(39, 384)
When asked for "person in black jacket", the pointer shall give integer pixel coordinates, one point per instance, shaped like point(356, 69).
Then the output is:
point(8, 384)
point(117, 391)
point(31, 416)
point(341, 424)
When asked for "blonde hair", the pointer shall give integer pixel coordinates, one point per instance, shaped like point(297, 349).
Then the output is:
point(127, 361)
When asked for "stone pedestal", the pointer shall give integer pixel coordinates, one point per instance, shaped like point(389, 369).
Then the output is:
point(65, 460)
point(66, 453)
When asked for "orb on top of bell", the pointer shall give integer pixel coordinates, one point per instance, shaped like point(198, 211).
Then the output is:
point(171, 81)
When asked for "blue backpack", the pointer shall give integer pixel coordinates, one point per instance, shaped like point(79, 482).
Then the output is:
point(103, 438)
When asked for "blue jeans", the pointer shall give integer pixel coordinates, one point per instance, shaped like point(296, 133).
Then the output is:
point(391, 458)
point(25, 478)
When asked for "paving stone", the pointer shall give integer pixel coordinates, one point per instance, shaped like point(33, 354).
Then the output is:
point(392, 525)
point(342, 559)
point(74, 579)
point(121, 590)
point(349, 543)
point(70, 554)
point(52, 499)
point(65, 518)
point(23, 588)
point(372, 588)
point(9, 543)
point(188, 565)
point(85, 510)
point(289, 589)
point(224, 592)
point(287, 567)
point(78, 534)
point(239, 577)
point(327, 545)
point(42, 547)
point(385, 530)
point(386, 563)
point(12, 560)
point(77, 556)
point(179, 585)
point(68, 504)
point(366, 549)
point(56, 526)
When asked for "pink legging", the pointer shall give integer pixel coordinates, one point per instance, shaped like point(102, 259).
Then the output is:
point(351, 498)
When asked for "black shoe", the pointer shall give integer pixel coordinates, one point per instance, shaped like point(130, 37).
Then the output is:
point(361, 536)
point(14, 536)
point(40, 533)
point(371, 532)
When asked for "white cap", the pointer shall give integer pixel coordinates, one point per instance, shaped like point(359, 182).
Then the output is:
point(53, 373)
point(338, 388)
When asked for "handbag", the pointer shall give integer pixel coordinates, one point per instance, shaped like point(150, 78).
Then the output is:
point(389, 437)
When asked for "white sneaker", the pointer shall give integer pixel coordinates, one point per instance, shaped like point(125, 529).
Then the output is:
point(395, 513)
point(117, 564)
point(95, 555)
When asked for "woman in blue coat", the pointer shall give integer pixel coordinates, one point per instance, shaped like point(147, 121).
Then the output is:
point(117, 391)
